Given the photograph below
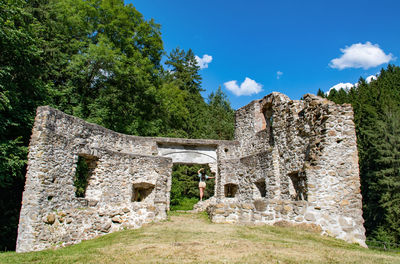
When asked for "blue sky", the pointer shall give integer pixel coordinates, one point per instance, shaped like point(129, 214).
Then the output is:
point(312, 44)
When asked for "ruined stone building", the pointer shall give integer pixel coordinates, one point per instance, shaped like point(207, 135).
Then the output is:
point(292, 161)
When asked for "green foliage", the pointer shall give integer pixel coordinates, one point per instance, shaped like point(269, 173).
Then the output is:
point(185, 112)
point(321, 93)
point(109, 60)
point(98, 60)
point(21, 91)
point(81, 177)
point(377, 117)
point(184, 70)
point(221, 116)
point(185, 186)
point(185, 204)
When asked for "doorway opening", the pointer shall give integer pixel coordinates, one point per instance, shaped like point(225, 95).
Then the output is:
point(185, 186)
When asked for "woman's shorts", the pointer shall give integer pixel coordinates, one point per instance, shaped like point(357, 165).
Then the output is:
point(202, 185)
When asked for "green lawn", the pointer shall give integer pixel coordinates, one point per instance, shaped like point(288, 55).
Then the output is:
point(185, 204)
point(192, 238)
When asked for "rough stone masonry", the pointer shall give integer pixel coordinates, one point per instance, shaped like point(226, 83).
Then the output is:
point(293, 162)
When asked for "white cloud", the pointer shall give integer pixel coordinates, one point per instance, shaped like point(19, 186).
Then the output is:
point(360, 55)
point(344, 86)
point(370, 78)
point(347, 86)
point(203, 62)
point(279, 74)
point(248, 87)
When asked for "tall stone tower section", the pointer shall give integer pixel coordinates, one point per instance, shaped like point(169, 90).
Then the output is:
point(298, 163)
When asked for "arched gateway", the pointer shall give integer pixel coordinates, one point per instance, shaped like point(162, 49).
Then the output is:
point(292, 161)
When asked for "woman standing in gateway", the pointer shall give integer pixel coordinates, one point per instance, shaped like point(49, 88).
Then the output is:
point(202, 181)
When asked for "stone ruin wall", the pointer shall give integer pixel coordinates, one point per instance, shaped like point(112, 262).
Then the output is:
point(298, 165)
point(291, 161)
point(51, 214)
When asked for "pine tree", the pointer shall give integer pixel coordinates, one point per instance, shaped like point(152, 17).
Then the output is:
point(387, 172)
point(321, 93)
point(184, 70)
point(221, 116)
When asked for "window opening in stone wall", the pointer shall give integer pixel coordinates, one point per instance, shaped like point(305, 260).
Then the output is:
point(230, 190)
point(269, 120)
point(185, 191)
point(140, 191)
point(261, 190)
point(84, 170)
point(299, 182)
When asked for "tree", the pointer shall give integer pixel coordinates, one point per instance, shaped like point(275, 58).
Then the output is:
point(109, 59)
point(386, 176)
point(71, 54)
point(221, 116)
point(184, 70)
point(21, 91)
point(321, 93)
point(99, 60)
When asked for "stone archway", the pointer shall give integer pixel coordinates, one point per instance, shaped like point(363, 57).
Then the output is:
point(191, 154)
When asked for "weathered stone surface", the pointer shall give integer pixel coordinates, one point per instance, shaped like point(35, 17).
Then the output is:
point(117, 219)
point(106, 227)
point(307, 154)
point(260, 205)
point(309, 217)
point(292, 161)
point(51, 218)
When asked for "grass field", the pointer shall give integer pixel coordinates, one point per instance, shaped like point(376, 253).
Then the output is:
point(192, 238)
point(185, 204)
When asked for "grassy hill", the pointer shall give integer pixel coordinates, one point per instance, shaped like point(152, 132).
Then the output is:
point(192, 238)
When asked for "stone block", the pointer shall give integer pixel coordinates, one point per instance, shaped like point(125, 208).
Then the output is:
point(310, 217)
point(256, 217)
point(299, 219)
point(247, 206)
point(345, 223)
point(117, 220)
point(50, 219)
point(260, 205)
point(92, 203)
point(151, 208)
point(287, 208)
point(219, 211)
